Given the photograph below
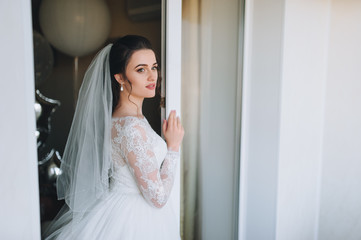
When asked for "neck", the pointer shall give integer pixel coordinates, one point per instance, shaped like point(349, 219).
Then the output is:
point(131, 106)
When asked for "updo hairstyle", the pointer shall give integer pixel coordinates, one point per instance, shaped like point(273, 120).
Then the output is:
point(119, 57)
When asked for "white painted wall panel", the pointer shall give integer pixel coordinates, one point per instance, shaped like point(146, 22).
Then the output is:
point(318, 165)
point(302, 108)
point(19, 199)
point(340, 206)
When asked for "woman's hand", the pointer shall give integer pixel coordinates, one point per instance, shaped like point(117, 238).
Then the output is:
point(173, 131)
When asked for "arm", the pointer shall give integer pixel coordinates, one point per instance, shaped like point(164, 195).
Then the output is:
point(154, 183)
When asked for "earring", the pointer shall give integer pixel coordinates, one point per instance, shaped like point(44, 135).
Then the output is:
point(121, 87)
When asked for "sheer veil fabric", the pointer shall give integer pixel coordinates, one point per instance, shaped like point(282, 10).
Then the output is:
point(86, 165)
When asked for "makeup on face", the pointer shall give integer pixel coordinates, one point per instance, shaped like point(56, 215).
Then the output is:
point(143, 73)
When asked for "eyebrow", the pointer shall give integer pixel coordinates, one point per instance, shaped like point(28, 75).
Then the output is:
point(144, 65)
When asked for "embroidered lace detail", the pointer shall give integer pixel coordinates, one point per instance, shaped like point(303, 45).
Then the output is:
point(136, 144)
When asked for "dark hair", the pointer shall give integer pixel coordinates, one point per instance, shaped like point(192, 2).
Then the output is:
point(119, 57)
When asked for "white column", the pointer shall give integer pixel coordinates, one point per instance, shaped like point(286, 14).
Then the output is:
point(19, 201)
point(261, 83)
point(340, 201)
point(303, 84)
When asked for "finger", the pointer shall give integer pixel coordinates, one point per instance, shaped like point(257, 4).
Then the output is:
point(179, 125)
point(171, 119)
point(164, 126)
point(174, 119)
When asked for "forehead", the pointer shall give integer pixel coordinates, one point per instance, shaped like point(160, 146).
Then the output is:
point(143, 56)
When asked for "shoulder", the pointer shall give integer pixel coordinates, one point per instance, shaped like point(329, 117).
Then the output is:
point(129, 126)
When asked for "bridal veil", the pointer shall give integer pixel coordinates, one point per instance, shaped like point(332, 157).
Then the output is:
point(86, 164)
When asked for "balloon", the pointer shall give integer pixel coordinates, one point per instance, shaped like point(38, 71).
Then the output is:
point(49, 167)
point(38, 110)
point(44, 107)
point(53, 169)
point(75, 27)
point(43, 58)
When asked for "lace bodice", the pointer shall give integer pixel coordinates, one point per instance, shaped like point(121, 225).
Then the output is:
point(142, 162)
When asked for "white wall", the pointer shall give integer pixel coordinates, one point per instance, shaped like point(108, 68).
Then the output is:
point(340, 202)
point(315, 170)
point(304, 62)
point(19, 201)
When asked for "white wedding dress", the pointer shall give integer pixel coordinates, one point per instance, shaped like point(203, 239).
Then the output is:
point(136, 207)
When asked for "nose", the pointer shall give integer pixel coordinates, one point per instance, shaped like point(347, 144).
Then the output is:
point(153, 76)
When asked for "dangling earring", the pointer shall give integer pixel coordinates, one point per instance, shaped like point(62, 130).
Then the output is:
point(121, 87)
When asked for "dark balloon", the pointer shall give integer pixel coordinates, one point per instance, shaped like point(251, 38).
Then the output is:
point(44, 107)
point(43, 59)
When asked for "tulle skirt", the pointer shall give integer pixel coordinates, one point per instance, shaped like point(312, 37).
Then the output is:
point(123, 217)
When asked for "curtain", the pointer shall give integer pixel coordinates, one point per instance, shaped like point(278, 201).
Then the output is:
point(190, 216)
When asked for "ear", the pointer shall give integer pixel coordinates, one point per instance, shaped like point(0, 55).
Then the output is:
point(119, 78)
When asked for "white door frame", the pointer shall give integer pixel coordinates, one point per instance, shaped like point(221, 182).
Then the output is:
point(171, 61)
point(22, 43)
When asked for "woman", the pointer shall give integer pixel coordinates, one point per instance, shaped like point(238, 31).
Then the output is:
point(117, 173)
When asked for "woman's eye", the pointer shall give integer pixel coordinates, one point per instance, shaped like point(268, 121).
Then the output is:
point(154, 67)
point(140, 70)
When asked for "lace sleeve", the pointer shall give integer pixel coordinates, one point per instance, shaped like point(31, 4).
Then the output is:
point(154, 183)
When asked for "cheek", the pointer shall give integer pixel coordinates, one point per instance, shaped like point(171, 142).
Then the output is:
point(136, 81)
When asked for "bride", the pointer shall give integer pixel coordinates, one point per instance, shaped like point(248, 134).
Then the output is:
point(117, 173)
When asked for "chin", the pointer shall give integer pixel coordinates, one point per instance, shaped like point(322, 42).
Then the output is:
point(150, 95)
